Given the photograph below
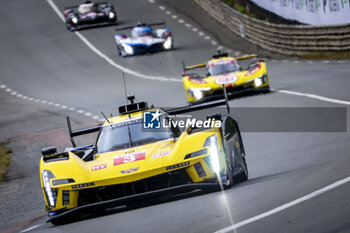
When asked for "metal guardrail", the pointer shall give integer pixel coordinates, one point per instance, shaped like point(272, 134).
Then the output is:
point(284, 39)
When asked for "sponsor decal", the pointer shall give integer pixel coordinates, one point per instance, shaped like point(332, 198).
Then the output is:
point(130, 170)
point(99, 167)
point(128, 158)
point(225, 79)
point(237, 144)
point(160, 154)
point(252, 71)
point(221, 62)
point(196, 80)
point(152, 120)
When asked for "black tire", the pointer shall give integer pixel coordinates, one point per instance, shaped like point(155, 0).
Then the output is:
point(243, 176)
point(230, 180)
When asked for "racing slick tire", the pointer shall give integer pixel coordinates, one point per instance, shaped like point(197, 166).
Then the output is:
point(242, 176)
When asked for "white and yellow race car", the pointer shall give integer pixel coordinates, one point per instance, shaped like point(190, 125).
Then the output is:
point(141, 155)
point(224, 71)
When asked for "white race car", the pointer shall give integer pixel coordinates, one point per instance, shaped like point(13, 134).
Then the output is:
point(144, 39)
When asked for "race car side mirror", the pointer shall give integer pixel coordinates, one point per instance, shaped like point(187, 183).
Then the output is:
point(49, 151)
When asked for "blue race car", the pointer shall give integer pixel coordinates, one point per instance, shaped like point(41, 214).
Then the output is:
point(144, 39)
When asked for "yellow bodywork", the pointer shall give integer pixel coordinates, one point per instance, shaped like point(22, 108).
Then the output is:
point(197, 89)
point(102, 171)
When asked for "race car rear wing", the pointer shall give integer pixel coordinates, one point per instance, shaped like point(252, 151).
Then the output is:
point(201, 65)
point(141, 25)
point(79, 132)
point(194, 66)
point(76, 6)
point(196, 107)
point(247, 56)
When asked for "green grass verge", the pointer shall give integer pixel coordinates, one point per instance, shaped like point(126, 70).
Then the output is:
point(5, 159)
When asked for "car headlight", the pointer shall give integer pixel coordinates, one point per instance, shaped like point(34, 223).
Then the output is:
point(111, 15)
point(167, 44)
point(75, 20)
point(214, 153)
point(51, 194)
point(214, 160)
point(260, 81)
point(128, 49)
point(198, 92)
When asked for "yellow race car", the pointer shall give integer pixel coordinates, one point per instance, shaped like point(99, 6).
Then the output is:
point(141, 154)
point(224, 71)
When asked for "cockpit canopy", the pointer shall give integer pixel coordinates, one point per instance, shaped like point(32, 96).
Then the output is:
point(142, 31)
point(127, 134)
point(85, 8)
point(222, 67)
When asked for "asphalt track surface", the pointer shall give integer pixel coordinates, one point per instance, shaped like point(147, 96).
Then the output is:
point(40, 59)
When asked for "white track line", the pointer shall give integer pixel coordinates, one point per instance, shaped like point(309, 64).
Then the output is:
point(313, 96)
point(285, 206)
point(30, 228)
point(21, 96)
point(105, 57)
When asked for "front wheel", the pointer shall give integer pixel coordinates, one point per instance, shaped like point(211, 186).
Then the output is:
point(68, 26)
point(243, 176)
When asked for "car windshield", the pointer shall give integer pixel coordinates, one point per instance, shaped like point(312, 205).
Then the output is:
point(86, 8)
point(217, 69)
point(116, 137)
